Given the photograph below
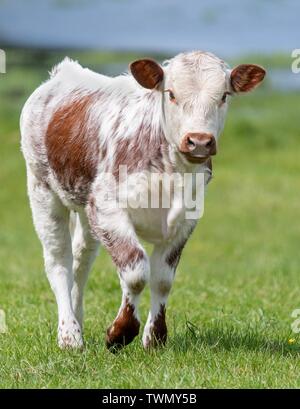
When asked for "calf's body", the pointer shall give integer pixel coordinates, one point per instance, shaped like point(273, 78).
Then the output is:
point(80, 130)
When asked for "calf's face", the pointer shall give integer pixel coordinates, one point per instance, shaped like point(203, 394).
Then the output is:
point(195, 88)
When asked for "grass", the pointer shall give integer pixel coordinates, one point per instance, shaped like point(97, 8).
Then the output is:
point(229, 313)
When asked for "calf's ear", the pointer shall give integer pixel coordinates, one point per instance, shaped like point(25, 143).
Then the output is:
point(246, 77)
point(148, 73)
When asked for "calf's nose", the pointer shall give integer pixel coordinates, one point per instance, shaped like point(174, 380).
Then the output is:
point(198, 144)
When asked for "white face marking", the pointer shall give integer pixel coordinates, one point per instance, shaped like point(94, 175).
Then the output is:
point(197, 99)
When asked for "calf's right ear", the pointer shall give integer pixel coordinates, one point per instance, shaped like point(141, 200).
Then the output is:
point(148, 73)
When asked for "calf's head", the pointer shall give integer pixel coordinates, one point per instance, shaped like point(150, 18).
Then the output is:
point(195, 89)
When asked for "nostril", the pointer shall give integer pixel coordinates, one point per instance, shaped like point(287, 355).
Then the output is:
point(209, 143)
point(191, 144)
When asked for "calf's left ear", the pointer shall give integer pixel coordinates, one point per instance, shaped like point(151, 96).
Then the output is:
point(148, 73)
point(246, 77)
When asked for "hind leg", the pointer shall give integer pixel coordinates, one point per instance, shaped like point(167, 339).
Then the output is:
point(85, 249)
point(51, 220)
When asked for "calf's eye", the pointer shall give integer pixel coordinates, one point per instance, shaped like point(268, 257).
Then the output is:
point(224, 97)
point(172, 97)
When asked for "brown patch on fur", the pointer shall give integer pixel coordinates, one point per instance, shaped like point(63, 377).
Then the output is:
point(245, 77)
point(148, 73)
point(159, 331)
point(124, 328)
point(141, 152)
point(164, 287)
point(72, 145)
point(103, 152)
point(123, 252)
point(173, 257)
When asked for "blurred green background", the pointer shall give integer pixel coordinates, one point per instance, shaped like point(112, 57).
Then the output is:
point(237, 284)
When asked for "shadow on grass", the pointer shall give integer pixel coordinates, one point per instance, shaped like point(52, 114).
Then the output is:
point(229, 338)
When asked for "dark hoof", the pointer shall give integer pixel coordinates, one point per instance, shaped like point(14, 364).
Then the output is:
point(157, 340)
point(158, 331)
point(121, 333)
point(123, 330)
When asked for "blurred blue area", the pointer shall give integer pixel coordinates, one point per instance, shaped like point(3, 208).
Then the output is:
point(225, 27)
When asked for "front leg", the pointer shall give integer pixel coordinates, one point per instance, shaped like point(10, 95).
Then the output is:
point(164, 261)
point(115, 231)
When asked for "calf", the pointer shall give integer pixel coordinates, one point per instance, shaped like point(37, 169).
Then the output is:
point(79, 129)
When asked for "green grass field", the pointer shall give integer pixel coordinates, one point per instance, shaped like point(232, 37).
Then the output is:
point(237, 284)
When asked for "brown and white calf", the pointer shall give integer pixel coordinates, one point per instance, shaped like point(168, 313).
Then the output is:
point(80, 126)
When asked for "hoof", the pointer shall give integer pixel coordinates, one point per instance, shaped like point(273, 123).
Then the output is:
point(114, 342)
point(70, 335)
point(155, 340)
point(123, 330)
point(156, 332)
